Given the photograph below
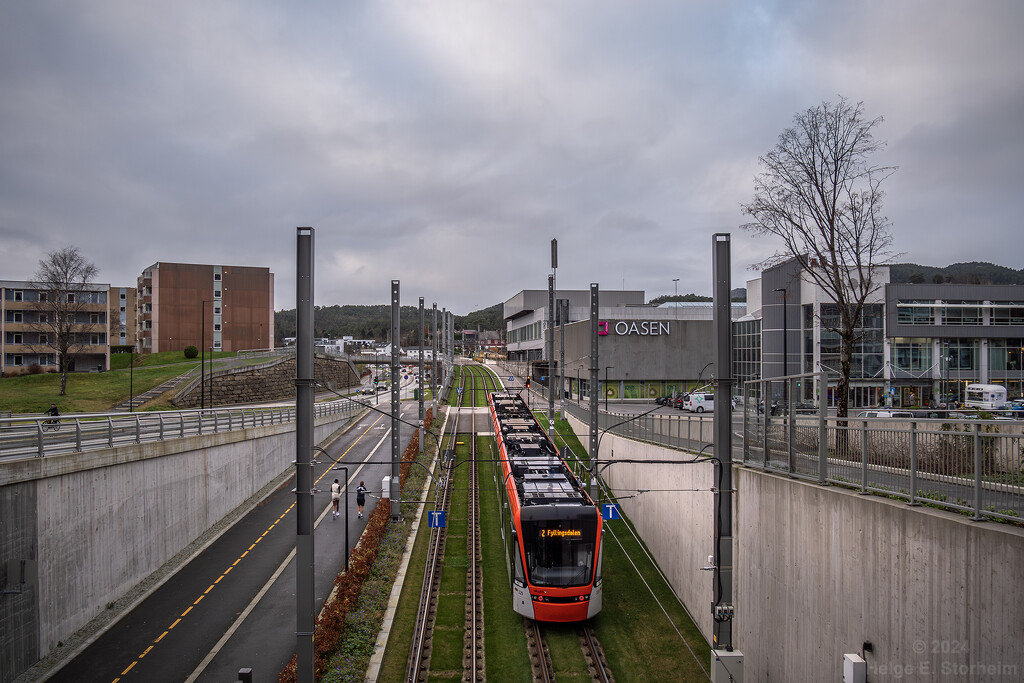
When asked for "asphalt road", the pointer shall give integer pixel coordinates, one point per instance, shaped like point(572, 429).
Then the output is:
point(233, 604)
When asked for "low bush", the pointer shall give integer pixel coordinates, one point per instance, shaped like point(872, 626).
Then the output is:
point(190, 352)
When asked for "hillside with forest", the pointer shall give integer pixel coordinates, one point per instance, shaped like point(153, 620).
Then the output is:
point(374, 322)
point(971, 273)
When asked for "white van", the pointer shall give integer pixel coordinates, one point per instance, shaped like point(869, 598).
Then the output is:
point(985, 396)
point(700, 402)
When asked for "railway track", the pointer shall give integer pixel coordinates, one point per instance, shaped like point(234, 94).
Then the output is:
point(540, 654)
point(418, 666)
point(473, 657)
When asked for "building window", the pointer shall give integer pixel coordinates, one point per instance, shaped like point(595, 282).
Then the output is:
point(907, 314)
point(961, 313)
point(14, 317)
point(44, 296)
point(44, 339)
point(94, 339)
point(94, 318)
point(1012, 314)
point(123, 310)
point(216, 327)
point(216, 344)
point(17, 338)
point(71, 297)
point(44, 318)
point(19, 295)
point(912, 355)
point(123, 296)
point(17, 359)
point(216, 277)
point(216, 309)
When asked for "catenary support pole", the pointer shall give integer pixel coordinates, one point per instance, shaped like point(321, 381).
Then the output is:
point(396, 444)
point(563, 314)
point(433, 361)
point(419, 379)
point(304, 598)
point(594, 368)
point(722, 608)
point(551, 349)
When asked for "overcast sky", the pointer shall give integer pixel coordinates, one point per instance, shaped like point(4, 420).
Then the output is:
point(444, 144)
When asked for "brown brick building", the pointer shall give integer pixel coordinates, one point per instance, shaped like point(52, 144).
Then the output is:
point(224, 308)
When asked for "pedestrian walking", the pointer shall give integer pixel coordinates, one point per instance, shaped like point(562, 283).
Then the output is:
point(361, 497)
point(335, 497)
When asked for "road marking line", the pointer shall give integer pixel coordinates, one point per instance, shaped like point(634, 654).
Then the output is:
point(187, 611)
point(176, 622)
point(129, 667)
point(145, 652)
point(199, 598)
point(161, 637)
point(208, 589)
point(266, 587)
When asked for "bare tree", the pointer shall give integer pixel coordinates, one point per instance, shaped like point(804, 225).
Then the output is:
point(63, 307)
point(820, 193)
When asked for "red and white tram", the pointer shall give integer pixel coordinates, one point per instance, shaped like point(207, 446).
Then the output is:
point(551, 527)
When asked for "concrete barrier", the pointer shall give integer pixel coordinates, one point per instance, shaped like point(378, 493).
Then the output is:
point(98, 523)
point(820, 570)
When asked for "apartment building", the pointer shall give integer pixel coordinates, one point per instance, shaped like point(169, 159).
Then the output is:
point(28, 337)
point(123, 325)
point(211, 307)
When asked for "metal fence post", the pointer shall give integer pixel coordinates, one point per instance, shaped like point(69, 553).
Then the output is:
point(864, 457)
point(977, 471)
point(823, 428)
point(913, 464)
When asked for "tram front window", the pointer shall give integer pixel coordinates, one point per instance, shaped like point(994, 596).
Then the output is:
point(560, 552)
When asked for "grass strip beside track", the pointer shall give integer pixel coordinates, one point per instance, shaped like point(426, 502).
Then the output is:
point(640, 645)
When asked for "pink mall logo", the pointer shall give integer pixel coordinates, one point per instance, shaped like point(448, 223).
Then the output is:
point(602, 328)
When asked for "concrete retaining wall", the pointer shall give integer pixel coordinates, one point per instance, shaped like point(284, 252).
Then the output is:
point(265, 382)
point(821, 570)
point(100, 522)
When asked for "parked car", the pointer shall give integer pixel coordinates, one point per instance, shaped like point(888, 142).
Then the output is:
point(885, 413)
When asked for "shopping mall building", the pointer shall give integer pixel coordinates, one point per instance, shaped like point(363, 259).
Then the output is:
point(918, 343)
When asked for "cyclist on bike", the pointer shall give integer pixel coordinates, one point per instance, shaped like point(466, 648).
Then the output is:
point(54, 412)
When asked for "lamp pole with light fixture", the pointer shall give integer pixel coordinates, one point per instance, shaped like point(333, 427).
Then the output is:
point(785, 348)
point(606, 368)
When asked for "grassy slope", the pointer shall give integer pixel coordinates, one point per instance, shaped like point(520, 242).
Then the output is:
point(94, 392)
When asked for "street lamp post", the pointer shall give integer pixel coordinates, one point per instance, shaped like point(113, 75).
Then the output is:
point(131, 381)
point(675, 299)
point(606, 368)
point(785, 348)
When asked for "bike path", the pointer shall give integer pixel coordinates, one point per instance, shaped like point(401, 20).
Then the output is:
point(169, 633)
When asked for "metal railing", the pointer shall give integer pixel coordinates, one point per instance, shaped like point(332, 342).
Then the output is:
point(22, 437)
point(975, 466)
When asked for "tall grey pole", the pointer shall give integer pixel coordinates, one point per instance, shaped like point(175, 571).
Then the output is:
point(722, 608)
point(563, 314)
point(444, 342)
point(551, 351)
point(304, 600)
point(419, 380)
point(433, 361)
point(594, 366)
point(396, 444)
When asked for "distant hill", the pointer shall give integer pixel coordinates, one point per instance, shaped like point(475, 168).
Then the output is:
point(973, 273)
point(739, 294)
point(374, 322)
